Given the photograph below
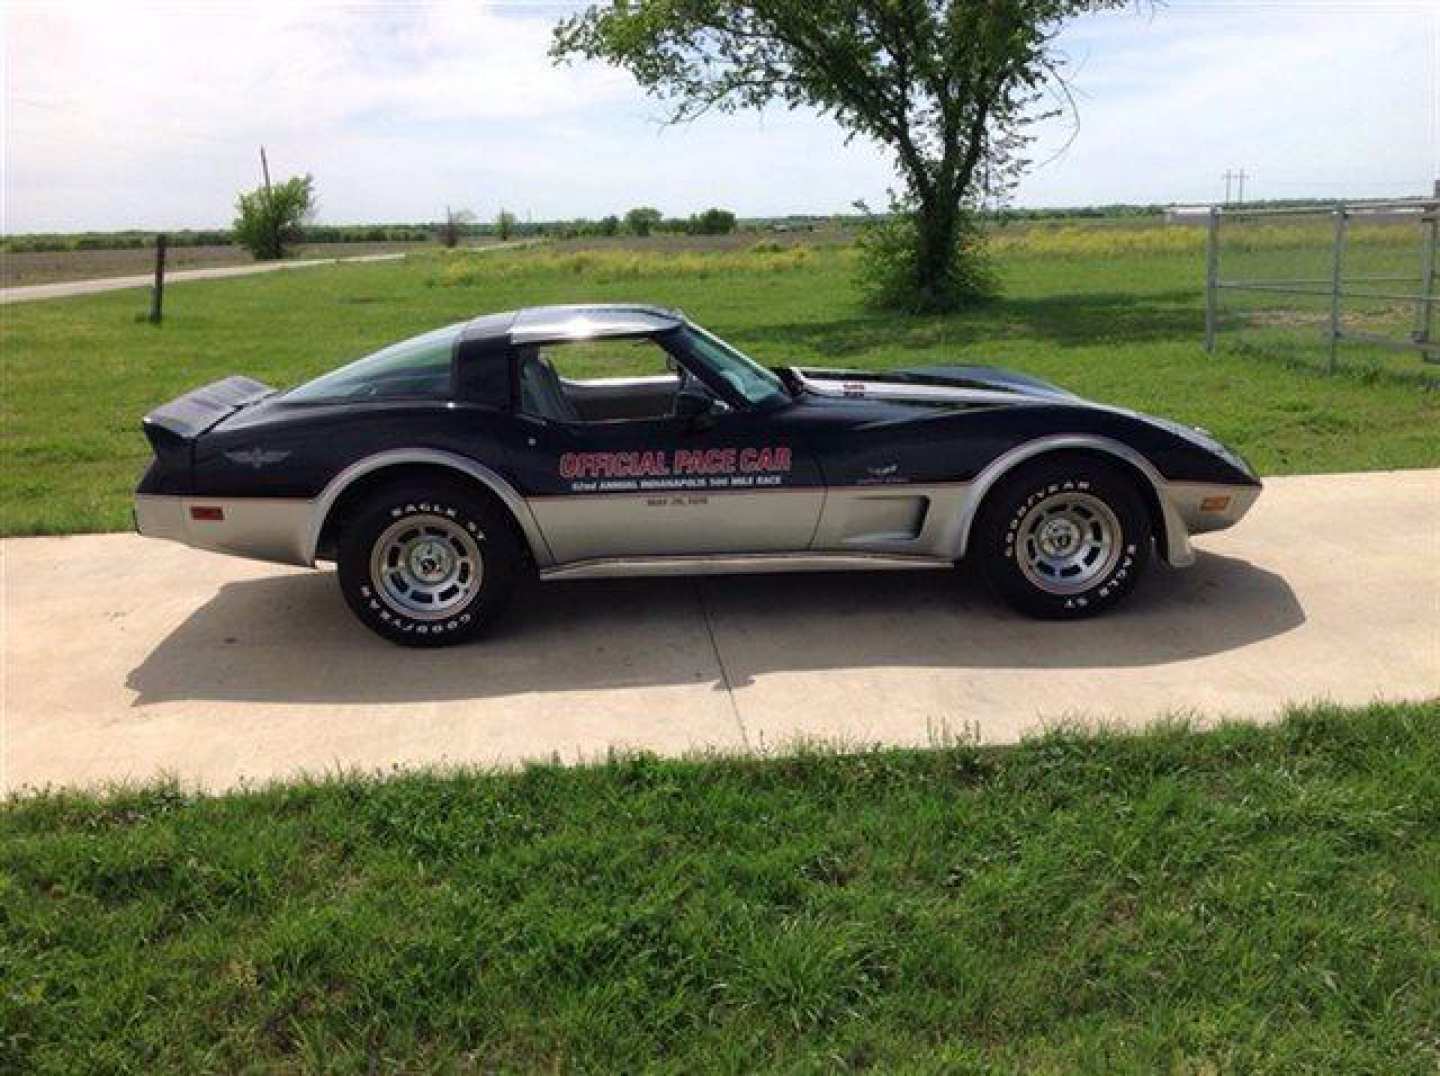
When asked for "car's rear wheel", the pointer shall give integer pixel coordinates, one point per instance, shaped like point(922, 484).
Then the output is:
point(1063, 538)
point(427, 565)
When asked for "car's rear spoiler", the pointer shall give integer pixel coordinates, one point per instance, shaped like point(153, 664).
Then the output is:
point(173, 427)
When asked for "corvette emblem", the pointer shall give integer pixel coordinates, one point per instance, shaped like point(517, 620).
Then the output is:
point(256, 457)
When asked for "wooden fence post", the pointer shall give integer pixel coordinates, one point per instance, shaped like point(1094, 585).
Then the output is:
point(157, 293)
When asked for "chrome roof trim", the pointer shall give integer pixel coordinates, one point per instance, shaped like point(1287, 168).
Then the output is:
point(540, 324)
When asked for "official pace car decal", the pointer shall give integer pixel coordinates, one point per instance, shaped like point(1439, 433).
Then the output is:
point(684, 468)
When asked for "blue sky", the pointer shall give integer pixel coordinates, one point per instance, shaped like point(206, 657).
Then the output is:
point(149, 114)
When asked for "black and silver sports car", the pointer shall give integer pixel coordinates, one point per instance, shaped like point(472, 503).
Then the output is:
point(584, 441)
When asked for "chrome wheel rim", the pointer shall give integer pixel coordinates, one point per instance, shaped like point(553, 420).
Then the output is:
point(426, 566)
point(1068, 542)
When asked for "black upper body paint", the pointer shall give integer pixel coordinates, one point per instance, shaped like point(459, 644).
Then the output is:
point(236, 438)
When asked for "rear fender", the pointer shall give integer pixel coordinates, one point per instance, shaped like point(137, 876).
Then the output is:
point(506, 493)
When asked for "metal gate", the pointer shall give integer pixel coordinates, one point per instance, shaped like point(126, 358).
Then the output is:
point(1360, 273)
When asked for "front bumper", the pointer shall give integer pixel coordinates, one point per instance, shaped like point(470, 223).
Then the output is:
point(1210, 506)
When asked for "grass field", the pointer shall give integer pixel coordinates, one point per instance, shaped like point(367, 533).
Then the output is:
point(1114, 323)
point(1244, 900)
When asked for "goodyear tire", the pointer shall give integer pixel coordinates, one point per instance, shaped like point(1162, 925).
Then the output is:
point(428, 564)
point(1063, 538)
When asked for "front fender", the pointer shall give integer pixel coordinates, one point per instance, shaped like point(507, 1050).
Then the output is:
point(1173, 539)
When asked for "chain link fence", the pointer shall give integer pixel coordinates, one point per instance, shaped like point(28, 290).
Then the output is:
point(1345, 284)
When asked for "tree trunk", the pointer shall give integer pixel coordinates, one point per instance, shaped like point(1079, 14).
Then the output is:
point(936, 225)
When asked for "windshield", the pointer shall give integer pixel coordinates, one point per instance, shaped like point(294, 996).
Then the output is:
point(419, 366)
point(742, 374)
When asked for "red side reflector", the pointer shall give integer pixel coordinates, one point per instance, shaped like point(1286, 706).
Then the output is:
point(1214, 504)
point(208, 513)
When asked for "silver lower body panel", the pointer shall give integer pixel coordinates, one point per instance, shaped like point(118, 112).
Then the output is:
point(857, 528)
point(262, 528)
point(736, 564)
point(1209, 506)
point(676, 522)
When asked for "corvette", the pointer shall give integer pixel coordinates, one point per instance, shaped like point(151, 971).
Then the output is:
point(616, 440)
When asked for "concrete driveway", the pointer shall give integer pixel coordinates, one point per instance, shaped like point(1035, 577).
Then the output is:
point(125, 657)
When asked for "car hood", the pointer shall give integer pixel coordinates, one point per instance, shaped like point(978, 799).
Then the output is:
point(911, 397)
point(934, 385)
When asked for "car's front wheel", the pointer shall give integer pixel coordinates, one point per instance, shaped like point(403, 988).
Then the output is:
point(1063, 538)
point(427, 564)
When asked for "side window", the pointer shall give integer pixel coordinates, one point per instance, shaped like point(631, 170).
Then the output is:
point(606, 380)
point(420, 366)
point(616, 356)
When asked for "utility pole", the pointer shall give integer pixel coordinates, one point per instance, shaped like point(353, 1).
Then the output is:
point(1228, 174)
point(270, 205)
point(1241, 199)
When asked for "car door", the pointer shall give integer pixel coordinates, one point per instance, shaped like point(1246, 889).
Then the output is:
point(616, 481)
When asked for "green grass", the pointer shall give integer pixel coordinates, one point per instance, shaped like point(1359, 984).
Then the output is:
point(1124, 328)
point(1242, 900)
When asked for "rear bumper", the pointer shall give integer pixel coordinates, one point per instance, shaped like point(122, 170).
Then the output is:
point(263, 528)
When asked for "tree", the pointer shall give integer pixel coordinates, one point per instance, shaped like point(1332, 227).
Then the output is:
point(505, 225)
point(610, 225)
point(269, 218)
point(642, 220)
point(713, 222)
point(454, 225)
point(949, 86)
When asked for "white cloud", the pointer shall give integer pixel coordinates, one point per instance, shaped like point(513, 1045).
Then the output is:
point(1311, 102)
point(149, 115)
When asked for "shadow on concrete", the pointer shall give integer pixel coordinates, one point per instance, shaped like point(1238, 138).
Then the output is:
point(291, 639)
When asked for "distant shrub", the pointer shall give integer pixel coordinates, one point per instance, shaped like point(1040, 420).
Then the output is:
point(452, 228)
point(766, 246)
point(611, 265)
point(1114, 240)
point(37, 245)
point(642, 220)
point(270, 218)
point(889, 275)
point(712, 222)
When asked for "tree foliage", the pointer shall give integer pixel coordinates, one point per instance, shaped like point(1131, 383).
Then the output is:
point(269, 219)
point(505, 222)
point(642, 220)
point(949, 86)
point(712, 222)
